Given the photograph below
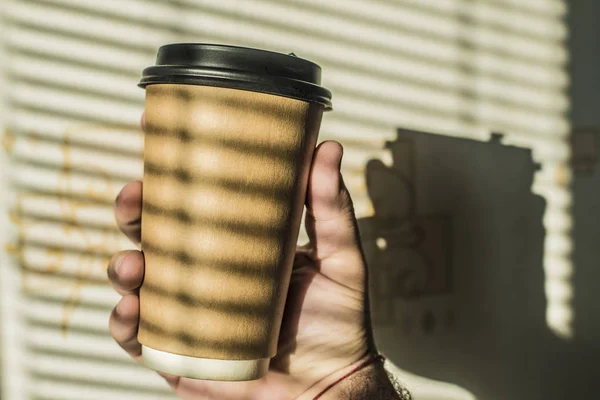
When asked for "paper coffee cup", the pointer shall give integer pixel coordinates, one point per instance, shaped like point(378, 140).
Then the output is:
point(230, 135)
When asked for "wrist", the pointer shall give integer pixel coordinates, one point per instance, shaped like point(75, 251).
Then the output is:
point(365, 379)
point(318, 390)
point(370, 383)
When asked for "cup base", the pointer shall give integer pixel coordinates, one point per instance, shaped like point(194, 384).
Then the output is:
point(204, 368)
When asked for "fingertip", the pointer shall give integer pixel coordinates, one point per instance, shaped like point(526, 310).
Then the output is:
point(124, 318)
point(126, 271)
point(128, 308)
point(325, 186)
point(330, 154)
point(128, 210)
point(330, 220)
point(130, 196)
point(123, 324)
point(130, 270)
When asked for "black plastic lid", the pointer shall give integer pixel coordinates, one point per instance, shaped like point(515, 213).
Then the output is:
point(238, 68)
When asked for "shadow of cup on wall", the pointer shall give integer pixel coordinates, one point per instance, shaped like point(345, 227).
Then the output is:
point(455, 251)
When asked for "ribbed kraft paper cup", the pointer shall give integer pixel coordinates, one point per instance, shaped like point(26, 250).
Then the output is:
point(230, 135)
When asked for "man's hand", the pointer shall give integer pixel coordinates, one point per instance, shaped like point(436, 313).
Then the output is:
point(326, 328)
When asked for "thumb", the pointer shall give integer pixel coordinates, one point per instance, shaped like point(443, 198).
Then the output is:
point(330, 220)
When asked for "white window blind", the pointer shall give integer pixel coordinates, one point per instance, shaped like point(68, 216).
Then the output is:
point(457, 67)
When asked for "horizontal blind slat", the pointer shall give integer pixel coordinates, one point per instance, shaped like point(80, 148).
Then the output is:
point(59, 293)
point(72, 237)
point(94, 108)
point(81, 318)
point(77, 50)
point(72, 211)
point(69, 157)
point(142, 11)
point(97, 374)
point(45, 263)
point(48, 126)
point(48, 389)
point(78, 24)
point(47, 339)
point(77, 185)
point(76, 78)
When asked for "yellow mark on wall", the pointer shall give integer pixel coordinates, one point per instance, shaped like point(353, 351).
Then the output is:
point(11, 249)
point(70, 208)
point(57, 257)
point(14, 217)
point(8, 141)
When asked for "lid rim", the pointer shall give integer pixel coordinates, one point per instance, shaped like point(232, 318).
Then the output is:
point(238, 68)
point(282, 86)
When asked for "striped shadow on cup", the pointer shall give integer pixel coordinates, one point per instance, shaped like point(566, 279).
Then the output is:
point(224, 185)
